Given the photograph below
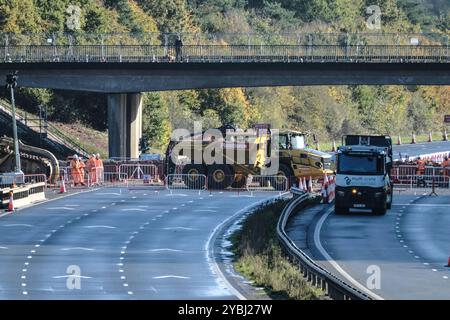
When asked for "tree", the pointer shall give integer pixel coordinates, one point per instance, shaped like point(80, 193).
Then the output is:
point(156, 125)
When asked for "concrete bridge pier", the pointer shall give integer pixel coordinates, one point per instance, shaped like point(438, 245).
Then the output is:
point(124, 124)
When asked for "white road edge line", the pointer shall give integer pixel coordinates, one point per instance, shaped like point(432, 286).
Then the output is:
point(210, 250)
point(334, 263)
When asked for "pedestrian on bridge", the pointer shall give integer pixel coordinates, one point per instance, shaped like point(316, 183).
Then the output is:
point(179, 49)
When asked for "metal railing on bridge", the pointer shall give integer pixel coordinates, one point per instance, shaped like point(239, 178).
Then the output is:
point(224, 53)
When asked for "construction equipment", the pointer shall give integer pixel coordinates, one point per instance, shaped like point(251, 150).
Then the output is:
point(33, 160)
point(363, 178)
point(234, 156)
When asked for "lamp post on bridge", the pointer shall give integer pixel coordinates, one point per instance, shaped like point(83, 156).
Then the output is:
point(11, 83)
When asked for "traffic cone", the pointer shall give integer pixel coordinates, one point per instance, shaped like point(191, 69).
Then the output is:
point(310, 185)
point(333, 148)
point(430, 137)
point(413, 141)
point(325, 189)
point(448, 262)
point(62, 188)
point(445, 136)
point(11, 202)
point(300, 184)
point(305, 185)
point(399, 140)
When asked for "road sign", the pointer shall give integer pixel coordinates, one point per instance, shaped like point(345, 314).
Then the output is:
point(447, 118)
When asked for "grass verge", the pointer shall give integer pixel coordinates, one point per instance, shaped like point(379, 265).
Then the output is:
point(259, 256)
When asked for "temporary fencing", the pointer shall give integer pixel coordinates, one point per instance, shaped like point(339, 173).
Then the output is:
point(186, 182)
point(267, 184)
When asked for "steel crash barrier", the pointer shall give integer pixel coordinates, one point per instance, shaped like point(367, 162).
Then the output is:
point(314, 273)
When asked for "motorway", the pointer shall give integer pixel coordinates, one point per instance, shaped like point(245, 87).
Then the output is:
point(138, 244)
point(410, 245)
point(412, 150)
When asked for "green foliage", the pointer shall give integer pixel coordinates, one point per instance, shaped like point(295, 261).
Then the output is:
point(156, 125)
point(327, 111)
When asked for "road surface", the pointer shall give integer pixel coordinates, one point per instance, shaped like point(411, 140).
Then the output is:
point(125, 245)
point(410, 246)
point(413, 150)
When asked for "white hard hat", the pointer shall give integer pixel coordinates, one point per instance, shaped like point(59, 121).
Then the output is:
point(75, 157)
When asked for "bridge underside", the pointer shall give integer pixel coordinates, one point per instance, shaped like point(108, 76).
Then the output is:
point(142, 77)
point(121, 81)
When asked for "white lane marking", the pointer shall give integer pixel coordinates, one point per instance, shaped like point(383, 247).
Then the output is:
point(204, 210)
point(142, 206)
point(72, 276)
point(100, 226)
point(177, 195)
point(103, 207)
point(434, 270)
point(209, 250)
point(29, 257)
point(426, 263)
point(4, 248)
point(109, 194)
point(130, 292)
point(165, 250)
point(334, 263)
point(171, 277)
point(445, 277)
point(72, 205)
point(133, 209)
point(18, 225)
point(421, 205)
point(61, 208)
point(24, 293)
point(134, 197)
point(78, 248)
point(178, 228)
point(175, 208)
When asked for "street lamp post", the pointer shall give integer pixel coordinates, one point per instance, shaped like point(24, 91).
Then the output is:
point(11, 83)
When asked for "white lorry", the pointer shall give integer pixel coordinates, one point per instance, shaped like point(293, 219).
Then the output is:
point(363, 174)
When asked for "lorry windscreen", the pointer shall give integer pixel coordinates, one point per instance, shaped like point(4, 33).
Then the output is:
point(359, 164)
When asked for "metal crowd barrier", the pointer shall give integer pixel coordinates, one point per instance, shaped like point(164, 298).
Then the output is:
point(267, 184)
point(186, 182)
point(139, 171)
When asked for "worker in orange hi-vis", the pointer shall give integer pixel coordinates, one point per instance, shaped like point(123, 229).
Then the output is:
point(420, 167)
point(75, 169)
point(99, 167)
point(91, 168)
point(82, 171)
point(445, 166)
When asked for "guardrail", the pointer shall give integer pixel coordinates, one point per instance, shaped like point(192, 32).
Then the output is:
point(314, 273)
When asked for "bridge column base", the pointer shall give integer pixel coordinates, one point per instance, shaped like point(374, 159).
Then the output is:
point(124, 124)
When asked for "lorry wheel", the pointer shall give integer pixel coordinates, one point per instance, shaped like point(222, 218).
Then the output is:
point(283, 176)
point(381, 211)
point(340, 210)
point(220, 177)
point(389, 204)
point(192, 176)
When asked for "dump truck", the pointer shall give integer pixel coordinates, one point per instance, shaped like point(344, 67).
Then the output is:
point(363, 176)
point(242, 154)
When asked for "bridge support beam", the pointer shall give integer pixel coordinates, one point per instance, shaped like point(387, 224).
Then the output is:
point(124, 124)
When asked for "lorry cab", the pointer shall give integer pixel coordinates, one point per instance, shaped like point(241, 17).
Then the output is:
point(363, 174)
